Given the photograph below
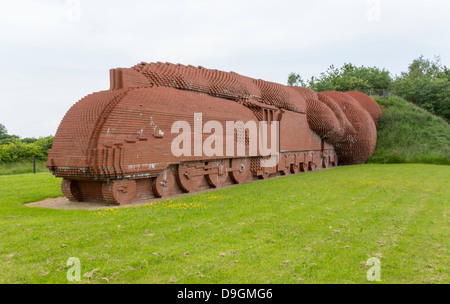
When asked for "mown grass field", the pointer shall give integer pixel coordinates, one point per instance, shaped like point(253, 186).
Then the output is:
point(318, 227)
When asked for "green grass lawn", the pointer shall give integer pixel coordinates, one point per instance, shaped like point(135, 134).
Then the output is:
point(316, 227)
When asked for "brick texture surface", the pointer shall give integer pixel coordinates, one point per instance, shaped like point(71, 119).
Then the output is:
point(115, 145)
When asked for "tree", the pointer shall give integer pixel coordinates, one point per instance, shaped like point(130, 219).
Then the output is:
point(3, 131)
point(29, 140)
point(296, 80)
point(14, 149)
point(45, 143)
point(427, 84)
point(17, 151)
point(346, 78)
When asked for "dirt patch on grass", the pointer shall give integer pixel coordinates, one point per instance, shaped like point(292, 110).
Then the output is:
point(64, 203)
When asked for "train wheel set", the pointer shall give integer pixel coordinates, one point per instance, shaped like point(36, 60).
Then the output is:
point(187, 177)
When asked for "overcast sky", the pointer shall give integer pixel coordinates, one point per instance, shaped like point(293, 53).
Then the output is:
point(54, 52)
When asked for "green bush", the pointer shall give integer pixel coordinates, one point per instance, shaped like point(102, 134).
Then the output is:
point(46, 144)
point(346, 78)
point(426, 84)
point(17, 151)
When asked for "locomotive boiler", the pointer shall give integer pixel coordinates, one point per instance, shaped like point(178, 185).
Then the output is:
point(117, 146)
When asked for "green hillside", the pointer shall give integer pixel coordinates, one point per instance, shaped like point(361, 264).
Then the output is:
point(410, 134)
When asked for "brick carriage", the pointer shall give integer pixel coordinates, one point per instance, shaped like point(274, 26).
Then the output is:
point(115, 146)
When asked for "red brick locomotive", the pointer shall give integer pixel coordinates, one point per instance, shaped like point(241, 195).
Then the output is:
point(116, 146)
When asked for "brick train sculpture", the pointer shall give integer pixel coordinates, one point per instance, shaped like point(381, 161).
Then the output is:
point(115, 146)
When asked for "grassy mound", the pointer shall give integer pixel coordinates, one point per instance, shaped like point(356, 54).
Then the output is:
point(409, 134)
point(317, 227)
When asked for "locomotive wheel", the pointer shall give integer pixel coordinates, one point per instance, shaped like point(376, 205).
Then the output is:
point(190, 175)
point(71, 191)
point(335, 163)
point(304, 167)
point(219, 173)
point(286, 171)
point(295, 168)
point(119, 191)
point(240, 170)
point(326, 162)
point(264, 176)
point(164, 184)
